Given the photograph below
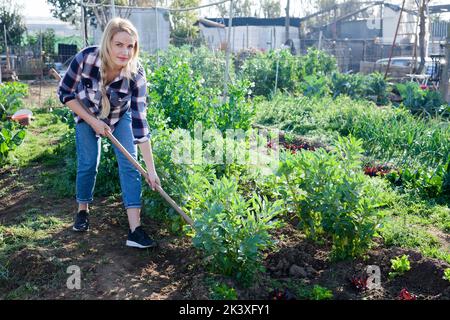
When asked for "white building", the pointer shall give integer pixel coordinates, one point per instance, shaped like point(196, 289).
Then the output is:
point(248, 32)
point(152, 24)
point(63, 29)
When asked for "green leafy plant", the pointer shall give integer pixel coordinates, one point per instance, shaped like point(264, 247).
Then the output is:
point(418, 100)
point(399, 265)
point(315, 86)
point(204, 63)
point(391, 135)
point(321, 293)
point(446, 274)
point(331, 196)
point(232, 231)
point(178, 98)
point(173, 89)
point(377, 88)
point(288, 73)
point(64, 115)
point(237, 112)
point(316, 62)
point(11, 95)
point(220, 291)
point(266, 70)
point(11, 136)
point(352, 85)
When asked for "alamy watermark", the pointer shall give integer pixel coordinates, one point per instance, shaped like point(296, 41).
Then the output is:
point(374, 277)
point(74, 280)
point(258, 148)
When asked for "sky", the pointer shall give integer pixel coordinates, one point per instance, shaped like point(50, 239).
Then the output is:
point(40, 8)
point(35, 8)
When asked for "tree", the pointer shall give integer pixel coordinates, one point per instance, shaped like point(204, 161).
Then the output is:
point(241, 8)
point(68, 10)
point(423, 4)
point(271, 8)
point(184, 31)
point(48, 42)
point(11, 18)
point(325, 4)
point(97, 11)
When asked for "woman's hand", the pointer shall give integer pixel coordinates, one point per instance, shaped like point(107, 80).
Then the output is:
point(100, 127)
point(153, 179)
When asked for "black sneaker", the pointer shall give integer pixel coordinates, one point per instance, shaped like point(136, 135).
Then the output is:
point(81, 221)
point(139, 239)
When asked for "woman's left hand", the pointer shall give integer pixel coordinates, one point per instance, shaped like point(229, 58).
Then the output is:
point(153, 179)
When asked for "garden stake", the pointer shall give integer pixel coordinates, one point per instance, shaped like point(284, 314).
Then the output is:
point(138, 166)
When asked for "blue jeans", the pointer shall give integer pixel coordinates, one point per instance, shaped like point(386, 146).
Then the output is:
point(88, 159)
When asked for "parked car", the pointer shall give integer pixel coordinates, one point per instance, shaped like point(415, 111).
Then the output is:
point(407, 62)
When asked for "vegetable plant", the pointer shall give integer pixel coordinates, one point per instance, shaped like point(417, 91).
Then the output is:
point(399, 266)
point(232, 231)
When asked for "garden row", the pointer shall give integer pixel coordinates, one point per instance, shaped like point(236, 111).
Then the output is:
point(237, 208)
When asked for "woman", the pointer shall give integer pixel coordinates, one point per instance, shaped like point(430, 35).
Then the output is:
point(106, 89)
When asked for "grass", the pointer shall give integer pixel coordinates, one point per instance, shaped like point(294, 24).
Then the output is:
point(423, 212)
point(35, 229)
point(41, 139)
point(389, 134)
point(399, 232)
point(32, 230)
point(24, 291)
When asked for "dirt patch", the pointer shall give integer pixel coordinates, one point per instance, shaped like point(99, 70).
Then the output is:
point(23, 190)
point(32, 264)
point(300, 259)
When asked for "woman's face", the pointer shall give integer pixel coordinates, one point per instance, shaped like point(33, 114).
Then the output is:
point(122, 46)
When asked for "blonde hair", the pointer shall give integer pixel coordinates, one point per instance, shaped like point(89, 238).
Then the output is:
point(113, 27)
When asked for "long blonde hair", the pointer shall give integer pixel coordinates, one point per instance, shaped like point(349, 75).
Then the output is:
point(113, 27)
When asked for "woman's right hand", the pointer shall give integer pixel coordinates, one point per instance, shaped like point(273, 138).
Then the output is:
point(100, 127)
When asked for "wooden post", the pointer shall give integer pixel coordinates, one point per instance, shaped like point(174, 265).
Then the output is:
point(395, 39)
point(274, 38)
point(41, 66)
point(157, 35)
point(446, 68)
point(287, 24)
point(381, 21)
point(84, 25)
point(247, 37)
point(113, 8)
point(8, 64)
point(227, 61)
point(320, 40)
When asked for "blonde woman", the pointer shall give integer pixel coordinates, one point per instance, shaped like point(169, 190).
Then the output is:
point(108, 81)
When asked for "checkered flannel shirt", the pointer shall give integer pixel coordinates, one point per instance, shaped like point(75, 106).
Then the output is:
point(81, 82)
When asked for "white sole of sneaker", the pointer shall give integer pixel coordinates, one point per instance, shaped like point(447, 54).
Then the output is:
point(137, 245)
point(78, 230)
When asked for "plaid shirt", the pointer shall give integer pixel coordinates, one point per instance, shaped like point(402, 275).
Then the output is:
point(81, 82)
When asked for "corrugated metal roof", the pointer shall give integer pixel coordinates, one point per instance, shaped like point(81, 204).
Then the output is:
point(252, 21)
point(441, 8)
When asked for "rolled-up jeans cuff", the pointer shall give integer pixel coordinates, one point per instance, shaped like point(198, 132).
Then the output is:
point(132, 206)
point(80, 201)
